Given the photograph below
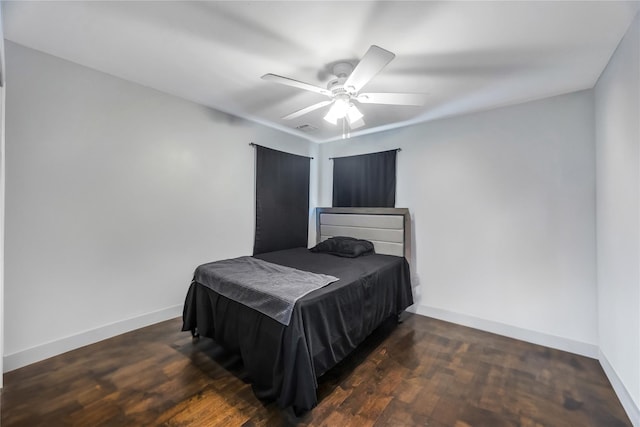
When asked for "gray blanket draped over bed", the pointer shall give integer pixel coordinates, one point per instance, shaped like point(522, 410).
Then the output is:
point(269, 288)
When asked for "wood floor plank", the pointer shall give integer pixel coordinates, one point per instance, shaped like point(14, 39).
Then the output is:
point(422, 372)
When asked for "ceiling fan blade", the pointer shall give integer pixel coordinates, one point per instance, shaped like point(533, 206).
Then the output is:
point(371, 63)
point(307, 110)
point(392, 98)
point(295, 83)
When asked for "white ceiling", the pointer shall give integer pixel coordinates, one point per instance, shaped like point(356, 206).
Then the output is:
point(467, 56)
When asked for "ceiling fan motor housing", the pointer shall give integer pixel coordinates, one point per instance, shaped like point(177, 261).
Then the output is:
point(342, 70)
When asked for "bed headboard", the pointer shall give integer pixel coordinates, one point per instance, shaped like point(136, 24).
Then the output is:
point(389, 229)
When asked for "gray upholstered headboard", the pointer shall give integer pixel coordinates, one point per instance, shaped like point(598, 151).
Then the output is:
point(389, 229)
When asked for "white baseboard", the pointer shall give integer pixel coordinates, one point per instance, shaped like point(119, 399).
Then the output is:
point(53, 348)
point(632, 409)
point(559, 343)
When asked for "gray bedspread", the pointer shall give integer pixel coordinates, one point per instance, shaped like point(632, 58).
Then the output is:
point(271, 289)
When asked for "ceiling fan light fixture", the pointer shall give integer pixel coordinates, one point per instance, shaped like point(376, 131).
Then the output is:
point(338, 110)
point(331, 117)
point(343, 109)
point(354, 114)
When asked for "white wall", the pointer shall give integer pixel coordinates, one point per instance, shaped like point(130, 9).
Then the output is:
point(115, 193)
point(617, 96)
point(2, 176)
point(503, 208)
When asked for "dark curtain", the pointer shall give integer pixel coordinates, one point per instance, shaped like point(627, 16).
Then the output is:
point(365, 181)
point(282, 200)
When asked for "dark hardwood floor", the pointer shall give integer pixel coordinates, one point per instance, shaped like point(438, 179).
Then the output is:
point(421, 372)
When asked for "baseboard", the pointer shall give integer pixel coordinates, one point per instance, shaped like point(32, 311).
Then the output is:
point(552, 341)
point(54, 348)
point(632, 409)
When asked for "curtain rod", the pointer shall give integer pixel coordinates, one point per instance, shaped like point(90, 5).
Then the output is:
point(397, 149)
point(253, 144)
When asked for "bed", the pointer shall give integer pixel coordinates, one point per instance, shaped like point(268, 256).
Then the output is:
point(284, 361)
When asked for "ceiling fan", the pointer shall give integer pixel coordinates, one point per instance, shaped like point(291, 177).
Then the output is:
point(345, 89)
